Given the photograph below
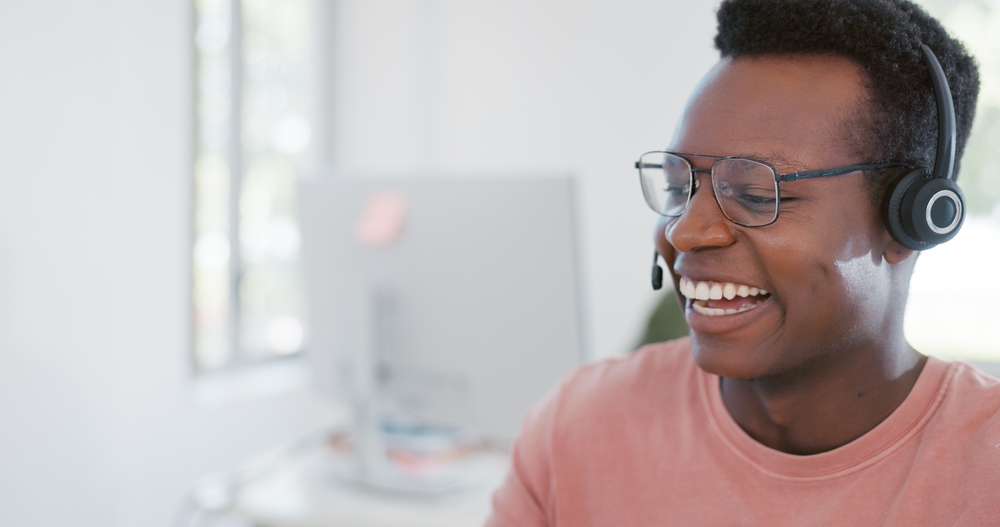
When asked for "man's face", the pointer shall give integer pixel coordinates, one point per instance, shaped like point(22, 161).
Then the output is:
point(821, 263)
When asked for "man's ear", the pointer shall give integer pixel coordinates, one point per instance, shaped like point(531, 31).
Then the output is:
point(896, 253)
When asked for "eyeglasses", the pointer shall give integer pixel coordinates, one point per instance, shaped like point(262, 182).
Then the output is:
point(748, 191)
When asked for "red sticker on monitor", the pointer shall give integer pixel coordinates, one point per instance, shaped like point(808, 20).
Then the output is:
point(383, 219)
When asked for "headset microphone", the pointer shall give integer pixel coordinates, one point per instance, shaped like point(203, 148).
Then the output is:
point(926, 207)
point(657, 272)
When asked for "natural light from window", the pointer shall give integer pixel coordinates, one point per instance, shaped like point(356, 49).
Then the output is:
point(252, 65)
point(952, 311)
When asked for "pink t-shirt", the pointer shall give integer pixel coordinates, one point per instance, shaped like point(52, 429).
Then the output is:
point(646, 440)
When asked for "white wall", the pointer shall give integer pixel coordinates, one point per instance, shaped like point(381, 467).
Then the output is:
point(527, 87)
point(97, 422)
point(97, 426)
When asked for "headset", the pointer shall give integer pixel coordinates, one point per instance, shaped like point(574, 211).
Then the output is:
point(925, 207)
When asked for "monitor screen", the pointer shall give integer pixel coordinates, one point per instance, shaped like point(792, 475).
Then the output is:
point(464, 292)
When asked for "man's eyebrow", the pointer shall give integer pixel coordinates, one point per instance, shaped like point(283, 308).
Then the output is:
point(778, 159)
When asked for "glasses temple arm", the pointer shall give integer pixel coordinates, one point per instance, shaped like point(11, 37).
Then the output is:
point(839, 171)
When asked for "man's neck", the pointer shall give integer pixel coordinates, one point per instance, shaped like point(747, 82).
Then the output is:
point(824, 405)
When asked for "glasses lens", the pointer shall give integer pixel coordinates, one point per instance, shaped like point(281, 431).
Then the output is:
point(746, 190)
point(666, 182)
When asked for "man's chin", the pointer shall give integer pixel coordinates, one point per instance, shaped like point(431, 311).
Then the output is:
point(730, 360)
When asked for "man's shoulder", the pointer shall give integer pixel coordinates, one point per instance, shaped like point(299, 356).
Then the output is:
point(653, 362)
point(964, 430)
point(958, 457)
point(973, 398)
point(971, 378)
point(657, 376)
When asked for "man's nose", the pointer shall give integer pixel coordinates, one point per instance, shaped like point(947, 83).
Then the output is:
point(702, 225)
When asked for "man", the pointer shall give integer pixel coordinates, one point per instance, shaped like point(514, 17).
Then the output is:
point(796, 400)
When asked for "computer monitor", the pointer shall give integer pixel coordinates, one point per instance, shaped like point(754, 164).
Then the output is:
point(469, 304)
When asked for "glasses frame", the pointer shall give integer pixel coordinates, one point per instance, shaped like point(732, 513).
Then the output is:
point(778, 178)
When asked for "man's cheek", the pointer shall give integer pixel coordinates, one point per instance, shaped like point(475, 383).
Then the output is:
point(660, 240)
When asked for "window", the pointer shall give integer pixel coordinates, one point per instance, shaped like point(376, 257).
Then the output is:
point(953, 296)
point(252, 74)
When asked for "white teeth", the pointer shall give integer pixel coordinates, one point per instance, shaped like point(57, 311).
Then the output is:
point(714, 312)
point(701, 291)
point(729, 291)
point(715, 292)
point(697, 290)
point(687, 288)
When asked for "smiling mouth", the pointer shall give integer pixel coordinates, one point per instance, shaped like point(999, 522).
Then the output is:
point(715, 299)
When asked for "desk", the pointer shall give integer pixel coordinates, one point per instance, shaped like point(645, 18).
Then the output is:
point(302, 493)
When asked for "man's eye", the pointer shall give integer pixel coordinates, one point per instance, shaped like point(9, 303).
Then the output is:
point(678, 191)
point(757, 198)
point(749, 196)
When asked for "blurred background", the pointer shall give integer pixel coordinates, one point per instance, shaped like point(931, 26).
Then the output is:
point(153, 324)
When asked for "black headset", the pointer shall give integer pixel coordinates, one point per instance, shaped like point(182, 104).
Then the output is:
point(926, 207)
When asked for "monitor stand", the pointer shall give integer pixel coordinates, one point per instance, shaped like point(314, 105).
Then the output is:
point(370, 467)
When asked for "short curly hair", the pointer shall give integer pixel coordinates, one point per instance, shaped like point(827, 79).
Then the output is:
point(883, 37)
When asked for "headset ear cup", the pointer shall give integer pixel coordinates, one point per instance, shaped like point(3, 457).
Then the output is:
point(900, 204)
point(938, 210)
